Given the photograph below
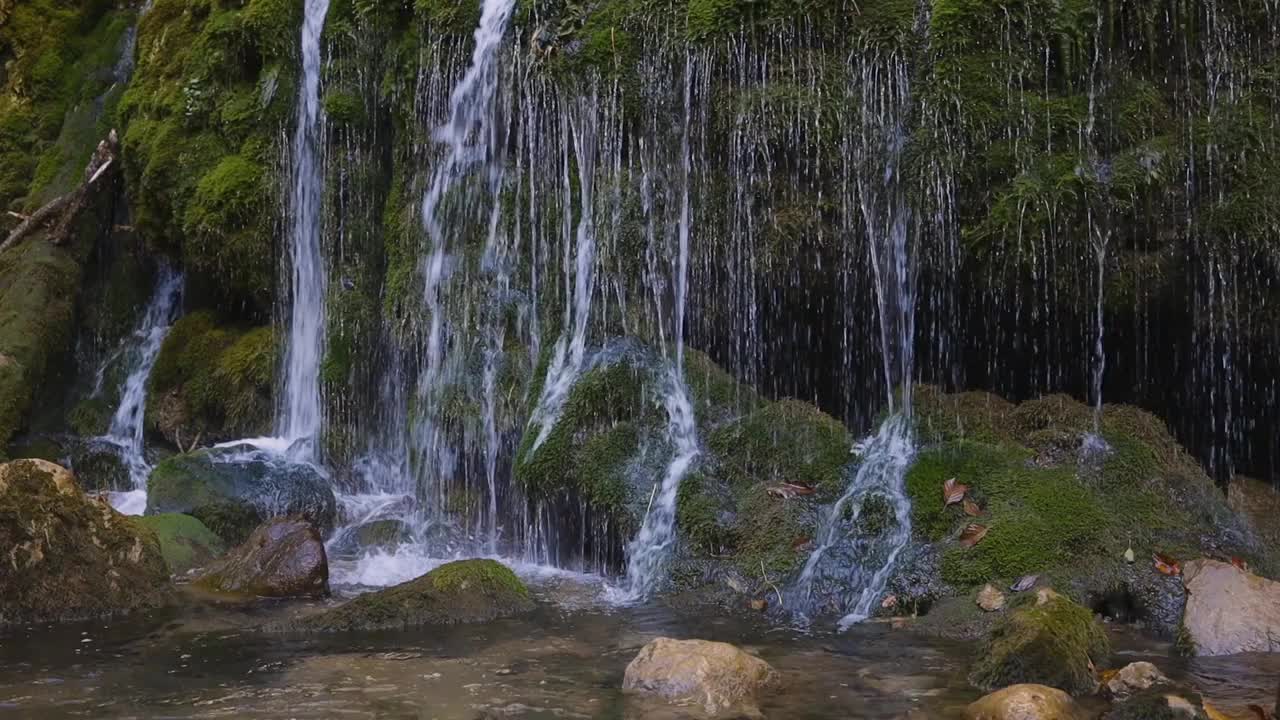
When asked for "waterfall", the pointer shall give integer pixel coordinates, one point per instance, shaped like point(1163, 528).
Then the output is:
point(647, 553)
point(847, 573)
point(125, 435)
point(299, 415)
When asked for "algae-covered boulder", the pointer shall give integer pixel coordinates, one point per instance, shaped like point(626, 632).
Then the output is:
point(1046, 640)
point(233, 491)
point(1025, 702)
point(185, 542)
point(283, 558)
point(1160, 703)
point(68, 556)
point(1065, 509)
point(717, 677)
point(386, 535)
point(464, 591)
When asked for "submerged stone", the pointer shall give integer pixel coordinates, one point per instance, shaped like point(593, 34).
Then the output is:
point(1134, 678)
point(717, 677)
point(1025, 702)
point(283, 558)
point(1047, 641)
point(185, 542)
point(232, 493)
point(464, 591)
point(68, 556)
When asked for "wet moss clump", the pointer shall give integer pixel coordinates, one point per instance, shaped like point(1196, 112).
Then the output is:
point(1047, 640)
point(185, 542)
point(465, 591)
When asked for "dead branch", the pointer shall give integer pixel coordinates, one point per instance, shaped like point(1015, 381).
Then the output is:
point(66, 206)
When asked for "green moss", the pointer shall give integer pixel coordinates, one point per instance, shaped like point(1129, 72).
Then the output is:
point(185, 542)
point(1158, 703)
point(785, 442)
point(464, 591)
point(1055, 643)
point(344, 108)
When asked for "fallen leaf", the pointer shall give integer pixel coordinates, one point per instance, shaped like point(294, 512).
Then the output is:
point(1257, 710)
point(1026, 582)
point(971, 508)
point(759, 604)
point(972, 534)
point(990, 599)
point(890, 601)
point(1166, 565)
point(799, 542)
point(953, 492)
point(1128, 555)
point(1106, 675)
point(1240, 563)
point(786, 491)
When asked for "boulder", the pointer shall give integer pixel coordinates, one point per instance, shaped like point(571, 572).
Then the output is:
point(1134, 678)
point(1159, 703)
point(185, 542)
point(1228, 610)
point(386, 534)
point(66, 556)
point(464, 591)
point(233, 491)
point(283, 558)
point(1048, 640)
point(718, 677)
point(1024, 702)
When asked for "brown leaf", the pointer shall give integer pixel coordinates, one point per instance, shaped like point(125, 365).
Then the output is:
point(889, 601)
point(971, 508)
point(759, 605)
point(786, 491)
point(800, 542)
point(1256, 709)
point(1240, 563)
point(1214, 713)
point(972, 534)
point(1166, 565)
point(953, 492)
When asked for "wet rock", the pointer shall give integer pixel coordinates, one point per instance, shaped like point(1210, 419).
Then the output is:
point(98, 467)
point(1048, 640)
point(1229, 610)
point(1259, 502)
point(990, 599)
point(957, 618)
point(184, 541)
point(283, 558)
point(1134, 678)
point(384, 535)
point(465, 591)
point(67, 556)
point(1024, 702)
point(233, 491)
point(720, 678)
point(1159, 703)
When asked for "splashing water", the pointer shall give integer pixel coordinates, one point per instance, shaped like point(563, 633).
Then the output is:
point(125, 435)
point(299, 417)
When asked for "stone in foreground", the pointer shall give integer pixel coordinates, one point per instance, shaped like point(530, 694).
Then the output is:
point(1049, 641)
point(465, 591)
point(1228, 610)
point(68, 556)
point(1134, 678)
point(718, 677)
point(184, 541)
point(1024, 702)
point(283, 558)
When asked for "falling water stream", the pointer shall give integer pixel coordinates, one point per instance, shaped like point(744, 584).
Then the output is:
point(125, 435)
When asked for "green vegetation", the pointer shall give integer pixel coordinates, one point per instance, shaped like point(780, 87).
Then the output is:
point(1047, 640)
point(185, 542)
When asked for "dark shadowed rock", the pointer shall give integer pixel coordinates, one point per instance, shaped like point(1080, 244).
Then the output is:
point(233, 491)
point(465, 591)
point(67, 556)
point(283, 558)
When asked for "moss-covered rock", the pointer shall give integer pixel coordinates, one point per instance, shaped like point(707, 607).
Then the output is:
point(211, 381)
point(232, 494)
point(1160, 703)
point(1055, 510)
point(1045, 639)
point(69, 556)
point(385, 535)
point(185, 542)
point(465, 591)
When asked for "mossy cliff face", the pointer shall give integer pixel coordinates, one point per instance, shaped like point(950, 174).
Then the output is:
point(70, 556)
point(211, 381)
point(465, 591)
point(213, 89)
point(1054, 508)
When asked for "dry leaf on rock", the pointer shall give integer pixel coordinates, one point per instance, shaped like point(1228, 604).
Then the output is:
point(953, 492)
point(973, 534)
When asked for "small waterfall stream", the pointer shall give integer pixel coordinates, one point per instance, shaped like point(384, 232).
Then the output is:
point(125, 435)
point(300, 415)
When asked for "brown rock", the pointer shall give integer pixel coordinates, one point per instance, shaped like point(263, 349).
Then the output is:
point(1024, 702)
point(1134, 677)
point(1228, 610)
point(718, 677)
point(284, 557)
